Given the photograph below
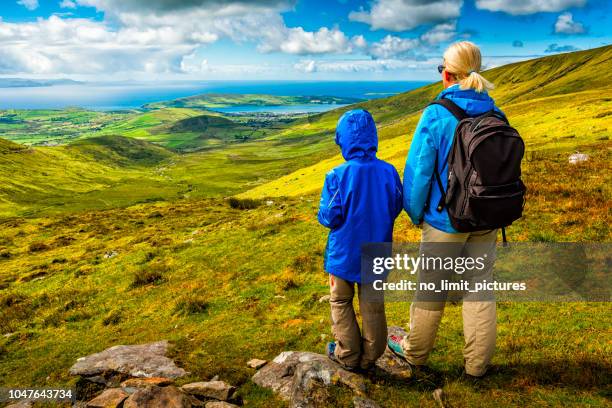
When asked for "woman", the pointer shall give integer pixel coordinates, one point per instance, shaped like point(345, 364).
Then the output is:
point(430, 147)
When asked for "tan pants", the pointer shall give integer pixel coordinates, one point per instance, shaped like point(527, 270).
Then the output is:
point(479, 317)
point(355, 347)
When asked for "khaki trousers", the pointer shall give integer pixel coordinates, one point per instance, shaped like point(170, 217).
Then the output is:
point(479, 317)
point(355, 347)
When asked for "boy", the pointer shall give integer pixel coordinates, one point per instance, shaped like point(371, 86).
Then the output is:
point(360, 200)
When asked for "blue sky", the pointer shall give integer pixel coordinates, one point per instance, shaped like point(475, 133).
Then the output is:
point(283, 39)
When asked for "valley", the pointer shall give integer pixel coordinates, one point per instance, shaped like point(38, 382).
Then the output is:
point(122, 231)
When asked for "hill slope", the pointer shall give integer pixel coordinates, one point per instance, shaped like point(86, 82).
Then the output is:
point(212, 101)
point(542, 98)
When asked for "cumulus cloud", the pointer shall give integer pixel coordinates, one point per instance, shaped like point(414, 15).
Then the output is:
point(70, 4)
point(403, 15)
point(392, 46)
point(565, 24)
point(219, 7)
point(29, 4)
point(360, 65)
point(156, 36)
point(556, 48)
point(301, 42)
point(517, 44)
point(521, 7)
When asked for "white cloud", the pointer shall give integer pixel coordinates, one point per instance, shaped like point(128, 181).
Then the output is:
point(392, 46)
point(300, 42)
point(440, 33)
point(163, 37)
point(67, 4)
point(519, 7)
point(403, 15)
point(566, 25)
point(29, 4)
point(360, 65)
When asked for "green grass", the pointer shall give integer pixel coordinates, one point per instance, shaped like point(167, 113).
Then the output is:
point(211, 101)
point(111, 240)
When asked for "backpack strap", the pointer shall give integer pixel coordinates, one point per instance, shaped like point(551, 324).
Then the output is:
point(452, 107)
point(459, 114)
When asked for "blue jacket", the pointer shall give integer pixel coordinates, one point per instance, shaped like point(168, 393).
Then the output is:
point(360, 199)
point(434, 137)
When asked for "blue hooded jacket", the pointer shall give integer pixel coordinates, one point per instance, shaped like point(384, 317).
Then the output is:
point(434, 137)
point(360, 199)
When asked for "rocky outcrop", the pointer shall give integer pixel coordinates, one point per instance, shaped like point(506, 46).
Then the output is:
point(145, 360)
point(146, 382)
point(303, 378)
point(256, 363)
point(110, 398)
point(158, 397)
point(142, 376)
point(218, 390)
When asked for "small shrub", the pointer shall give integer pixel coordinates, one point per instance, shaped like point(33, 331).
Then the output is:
point(83, 270)
point(191, 305)
point(112, 318)
point(288, 280)
point(304, 263)
point(243, 204)
point(542, 236)
point(5, 254)
point(149, 274)
point(38, 247)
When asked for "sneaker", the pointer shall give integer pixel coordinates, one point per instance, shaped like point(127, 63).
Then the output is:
point(394, 343)
point(331, 354)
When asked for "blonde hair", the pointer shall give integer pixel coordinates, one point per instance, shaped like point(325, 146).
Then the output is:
point(463, 60)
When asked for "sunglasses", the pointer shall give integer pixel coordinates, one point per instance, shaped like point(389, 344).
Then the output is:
point(441, 68)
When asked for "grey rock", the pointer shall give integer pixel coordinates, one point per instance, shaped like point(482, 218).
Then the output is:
point(146, 382)
point(440, 397)
point(256, 363)
point(359, 402)
point(218, 390)
point(158, 397)
point(110, 398)
point(309, 388)
point(578, 158)
point(302, 378)
point(219, 404)
point(145, 360)
point(20, 404)
point(279, 375)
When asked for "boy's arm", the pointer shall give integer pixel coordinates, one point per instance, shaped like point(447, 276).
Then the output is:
point(330, 207)
point(419, 168)
point(398, 202)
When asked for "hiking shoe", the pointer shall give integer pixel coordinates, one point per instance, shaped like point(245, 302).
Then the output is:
point(331, 354)
point(394, 343)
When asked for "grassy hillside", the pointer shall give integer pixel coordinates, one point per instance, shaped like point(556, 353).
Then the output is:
point(211, 101)
point(112, 240)
point(550, 110)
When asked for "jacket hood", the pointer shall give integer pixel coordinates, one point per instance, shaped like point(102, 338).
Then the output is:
point(356, 135)
point(472, 102)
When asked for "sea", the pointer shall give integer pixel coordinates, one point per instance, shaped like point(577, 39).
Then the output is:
point(110, 96)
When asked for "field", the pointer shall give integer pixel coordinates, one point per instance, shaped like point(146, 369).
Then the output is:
point(111, 239)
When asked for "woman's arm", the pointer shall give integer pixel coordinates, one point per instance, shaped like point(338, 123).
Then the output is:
point(419, 168)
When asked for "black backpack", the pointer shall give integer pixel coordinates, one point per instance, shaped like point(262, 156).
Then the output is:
point(485, 190)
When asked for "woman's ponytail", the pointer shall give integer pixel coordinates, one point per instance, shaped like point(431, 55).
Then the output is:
point(475, 81)
point(463, 60)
